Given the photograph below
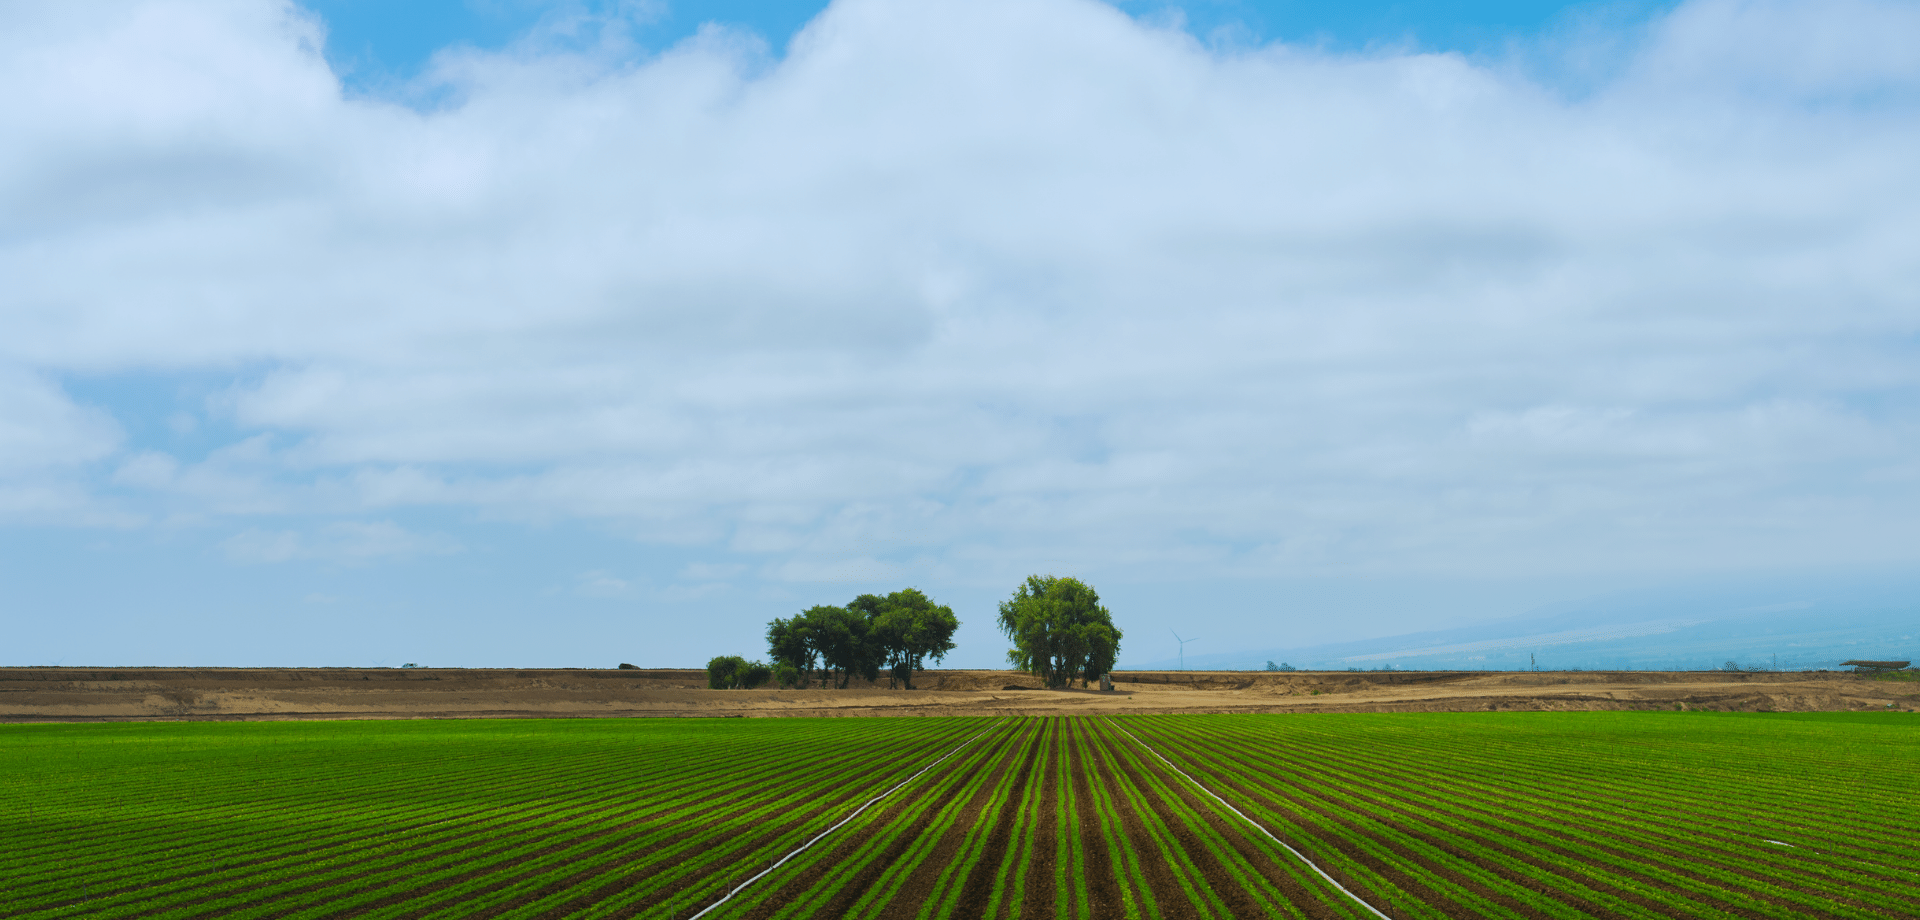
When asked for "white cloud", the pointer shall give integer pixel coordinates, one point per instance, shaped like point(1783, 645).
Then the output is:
point(957, 285)
point(254, 545)
point(348, 542)
point(598, 583)
point(40, 429)
point(45, 443)
point(708, 571)
point(148, 468)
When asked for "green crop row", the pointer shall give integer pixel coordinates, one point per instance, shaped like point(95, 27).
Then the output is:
point(508, 809)
point(1394, 801)
point(1508, 815)
point(1050, 817)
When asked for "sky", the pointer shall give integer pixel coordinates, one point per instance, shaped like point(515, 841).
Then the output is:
point(516, 333)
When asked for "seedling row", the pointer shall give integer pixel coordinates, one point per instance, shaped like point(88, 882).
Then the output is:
point(1510, 815)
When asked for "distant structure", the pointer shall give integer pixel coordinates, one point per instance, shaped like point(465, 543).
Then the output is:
point(1874, 667)
point(1183, 648)
point(1106, 682)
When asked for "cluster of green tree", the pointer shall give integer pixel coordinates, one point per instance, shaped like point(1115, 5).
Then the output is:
point(732, 672)
point(899, 632)
point(1059, 631)
point(1282, 666)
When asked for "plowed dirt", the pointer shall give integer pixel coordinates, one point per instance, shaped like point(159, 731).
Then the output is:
point(120, 694)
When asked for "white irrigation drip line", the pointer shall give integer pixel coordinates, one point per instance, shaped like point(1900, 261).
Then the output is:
point(1257, 825)
point(1795, 846)
point(856, 813)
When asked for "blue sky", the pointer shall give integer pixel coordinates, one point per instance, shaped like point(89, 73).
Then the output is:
point(517, 334)
point(372, 41)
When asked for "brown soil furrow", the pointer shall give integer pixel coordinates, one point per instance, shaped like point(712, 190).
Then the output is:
point(1103, 887)
point(1283, 870)
point(1160, 881)
point(977, 890)
point(919, 884)
point(860, 835)
point(1039, 894)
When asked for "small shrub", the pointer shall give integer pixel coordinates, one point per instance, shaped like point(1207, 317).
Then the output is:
point(786, 676)
point(725, 671)
point(732, 672)
point(629, 667)
point(753, 674)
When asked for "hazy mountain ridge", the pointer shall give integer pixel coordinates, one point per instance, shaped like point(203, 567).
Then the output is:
point(1625, 633)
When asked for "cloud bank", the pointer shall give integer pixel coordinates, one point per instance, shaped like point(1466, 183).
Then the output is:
point(953, 289)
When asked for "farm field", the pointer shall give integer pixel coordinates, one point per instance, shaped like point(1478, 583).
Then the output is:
point(1433, 815)
point(231, 694)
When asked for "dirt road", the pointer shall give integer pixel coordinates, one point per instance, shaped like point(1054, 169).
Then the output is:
point(115, 694)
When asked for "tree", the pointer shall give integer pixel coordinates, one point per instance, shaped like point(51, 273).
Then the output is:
point(754, 674)
point(791, 644)
point(786, 676)
point(900, 632)
point(731, 672)
point(909, 628)
point(1059, 631)
point(831, 636)
point(723, 671)
point(872, 651)
point(840, 637)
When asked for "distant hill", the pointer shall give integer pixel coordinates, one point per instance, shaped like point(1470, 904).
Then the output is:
point(1766, 627)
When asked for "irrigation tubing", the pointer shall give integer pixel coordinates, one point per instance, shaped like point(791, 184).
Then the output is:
point(856, 813)
point(1257, 825)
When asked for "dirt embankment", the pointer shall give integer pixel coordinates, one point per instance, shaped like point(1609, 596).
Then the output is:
point(113, 694)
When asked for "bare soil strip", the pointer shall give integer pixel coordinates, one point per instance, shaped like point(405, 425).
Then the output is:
point(220, 694)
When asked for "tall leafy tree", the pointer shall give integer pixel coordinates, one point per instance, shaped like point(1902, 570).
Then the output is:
point(839, 635)
point(909, 628)
point(791, 643)
point(900, 632)
point(873, 651)
point(1059, 630)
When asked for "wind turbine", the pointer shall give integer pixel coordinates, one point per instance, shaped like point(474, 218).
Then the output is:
point(1183, 647)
